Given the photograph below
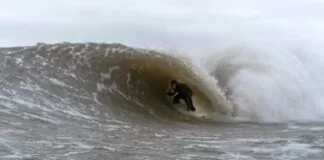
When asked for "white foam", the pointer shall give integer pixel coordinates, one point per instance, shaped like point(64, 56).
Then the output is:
point(305, 128)
point(45, 119)
point(10, 131)
point(272, 85)
point(17, 156)
point(101, 87)
point(109, 148)
point(83, 146)
point(71, 153)
point(297, 150)
point(76, 114)
point(58, 82)
point(59, 146)
point(159, 135)
point(28, 102)
point(108, 75)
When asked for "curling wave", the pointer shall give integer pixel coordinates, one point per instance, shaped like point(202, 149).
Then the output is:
point(235, 85)
point(133, 80)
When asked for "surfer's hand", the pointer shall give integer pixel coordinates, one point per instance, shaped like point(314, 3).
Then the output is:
point(170, 92)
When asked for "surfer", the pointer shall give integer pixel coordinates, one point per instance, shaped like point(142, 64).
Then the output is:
point(184, 92)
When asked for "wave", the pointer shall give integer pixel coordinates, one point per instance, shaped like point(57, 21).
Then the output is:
point(133, 80)
point(235, 85)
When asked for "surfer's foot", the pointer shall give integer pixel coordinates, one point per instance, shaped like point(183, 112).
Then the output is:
point(176, 102)
point(191, 109)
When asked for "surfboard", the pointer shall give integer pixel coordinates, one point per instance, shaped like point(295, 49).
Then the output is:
point(182, 108)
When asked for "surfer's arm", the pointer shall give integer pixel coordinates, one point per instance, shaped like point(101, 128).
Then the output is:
point(171, 92)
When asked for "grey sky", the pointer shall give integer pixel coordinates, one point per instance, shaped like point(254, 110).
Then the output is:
point(168, 24)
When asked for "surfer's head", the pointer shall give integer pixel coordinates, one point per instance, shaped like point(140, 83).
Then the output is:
point(173, 83)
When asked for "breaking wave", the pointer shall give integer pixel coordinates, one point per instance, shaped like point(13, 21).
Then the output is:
point(134, 80)
point(272, 85)
point(236, 84)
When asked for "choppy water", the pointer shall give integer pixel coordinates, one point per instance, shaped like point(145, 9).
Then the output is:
point(107, 101)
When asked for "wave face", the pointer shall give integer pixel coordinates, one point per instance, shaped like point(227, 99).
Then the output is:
point(127, 80)
point(236, 84)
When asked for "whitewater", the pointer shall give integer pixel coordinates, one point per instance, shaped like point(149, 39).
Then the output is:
point(107, 101)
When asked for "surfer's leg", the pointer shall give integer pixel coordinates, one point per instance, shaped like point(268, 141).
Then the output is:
point(176, 99)
point(190, 103)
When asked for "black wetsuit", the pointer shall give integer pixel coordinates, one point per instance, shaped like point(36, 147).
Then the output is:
point(185, 93)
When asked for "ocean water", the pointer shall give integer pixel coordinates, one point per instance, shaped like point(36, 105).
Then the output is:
point(107, 101)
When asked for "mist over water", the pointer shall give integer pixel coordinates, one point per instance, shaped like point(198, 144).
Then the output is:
point(272, 84)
